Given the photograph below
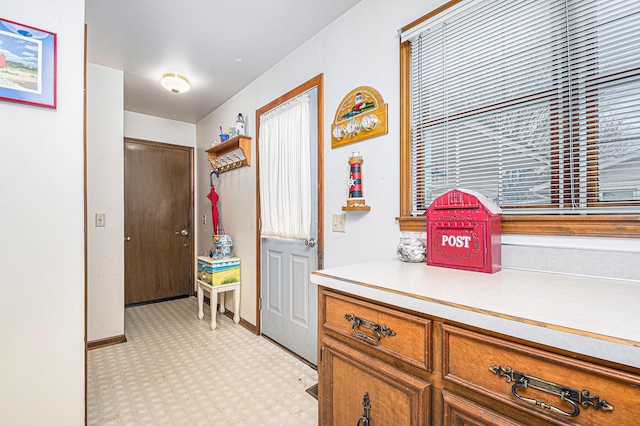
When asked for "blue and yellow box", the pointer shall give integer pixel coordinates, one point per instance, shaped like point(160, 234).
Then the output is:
point(225, 270)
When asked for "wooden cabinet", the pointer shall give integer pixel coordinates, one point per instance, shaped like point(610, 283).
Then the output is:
point(357, 386)
point(419, 370)
point(367, 349)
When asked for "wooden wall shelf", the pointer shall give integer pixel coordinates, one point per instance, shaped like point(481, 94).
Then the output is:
point(231, 154)
point(355, 208)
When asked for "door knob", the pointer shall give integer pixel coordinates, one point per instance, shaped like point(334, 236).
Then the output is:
point(127, 238)
point(184, 232)
point(310, 242)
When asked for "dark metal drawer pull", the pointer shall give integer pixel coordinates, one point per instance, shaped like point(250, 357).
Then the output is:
point(572, 396)
point(380, 330)
point(364, 419)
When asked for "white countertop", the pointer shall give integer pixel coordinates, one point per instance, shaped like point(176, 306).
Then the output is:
point(592, 316)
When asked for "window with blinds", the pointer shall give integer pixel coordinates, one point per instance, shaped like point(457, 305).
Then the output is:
point(535, 104)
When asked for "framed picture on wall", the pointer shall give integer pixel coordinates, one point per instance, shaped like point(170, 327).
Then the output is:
point(27, 64)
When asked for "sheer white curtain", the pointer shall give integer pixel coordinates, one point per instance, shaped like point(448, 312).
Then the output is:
point(285, 176)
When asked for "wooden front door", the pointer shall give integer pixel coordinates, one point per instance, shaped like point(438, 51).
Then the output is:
point(158, 200)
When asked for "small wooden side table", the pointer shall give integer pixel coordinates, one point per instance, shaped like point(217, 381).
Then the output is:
point(218, 275)
point(213, 300)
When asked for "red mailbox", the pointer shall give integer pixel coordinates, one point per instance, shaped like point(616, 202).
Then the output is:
point(463, 232)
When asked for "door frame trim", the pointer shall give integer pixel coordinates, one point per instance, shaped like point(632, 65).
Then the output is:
point(190, 150)
point(317, 81)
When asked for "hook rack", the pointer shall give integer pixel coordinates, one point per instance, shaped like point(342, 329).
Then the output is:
point(230, 155)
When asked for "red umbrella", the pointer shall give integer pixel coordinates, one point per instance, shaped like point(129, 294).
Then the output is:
point(213, 196)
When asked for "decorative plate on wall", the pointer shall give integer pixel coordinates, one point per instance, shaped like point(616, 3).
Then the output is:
point(362, 114)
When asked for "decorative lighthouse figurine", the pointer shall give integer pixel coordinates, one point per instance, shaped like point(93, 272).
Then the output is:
point(240, 125)
point(356, 200)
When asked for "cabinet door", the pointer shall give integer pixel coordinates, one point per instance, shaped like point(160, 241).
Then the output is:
point(394, 397)
point(459, 411)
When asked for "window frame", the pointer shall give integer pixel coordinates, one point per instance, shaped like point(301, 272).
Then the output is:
point(591, 225)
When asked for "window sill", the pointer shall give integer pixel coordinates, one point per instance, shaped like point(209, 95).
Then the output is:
point(613, 226)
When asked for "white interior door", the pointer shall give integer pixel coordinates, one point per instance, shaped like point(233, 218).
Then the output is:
point(289, 313)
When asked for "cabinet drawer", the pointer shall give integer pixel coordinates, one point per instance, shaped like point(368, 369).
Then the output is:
point(470, 359)
point(393, 397)
point(405, 337)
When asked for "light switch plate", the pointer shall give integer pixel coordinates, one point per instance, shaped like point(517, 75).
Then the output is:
point(339, 222)
point(101, 219)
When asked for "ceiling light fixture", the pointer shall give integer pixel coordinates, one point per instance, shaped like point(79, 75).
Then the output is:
point(175, 83)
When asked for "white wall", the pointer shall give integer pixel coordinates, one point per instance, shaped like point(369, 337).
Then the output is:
point(42, 243)
point(597, 257)
point(361, 48)
point(236, 207)
point(107, 125)
point(105, 181)
point(150, 128)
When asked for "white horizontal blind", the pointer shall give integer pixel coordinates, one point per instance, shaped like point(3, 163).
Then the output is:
point(535, 104)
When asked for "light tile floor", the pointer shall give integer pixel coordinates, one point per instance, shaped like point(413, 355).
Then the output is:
point(175, 370)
